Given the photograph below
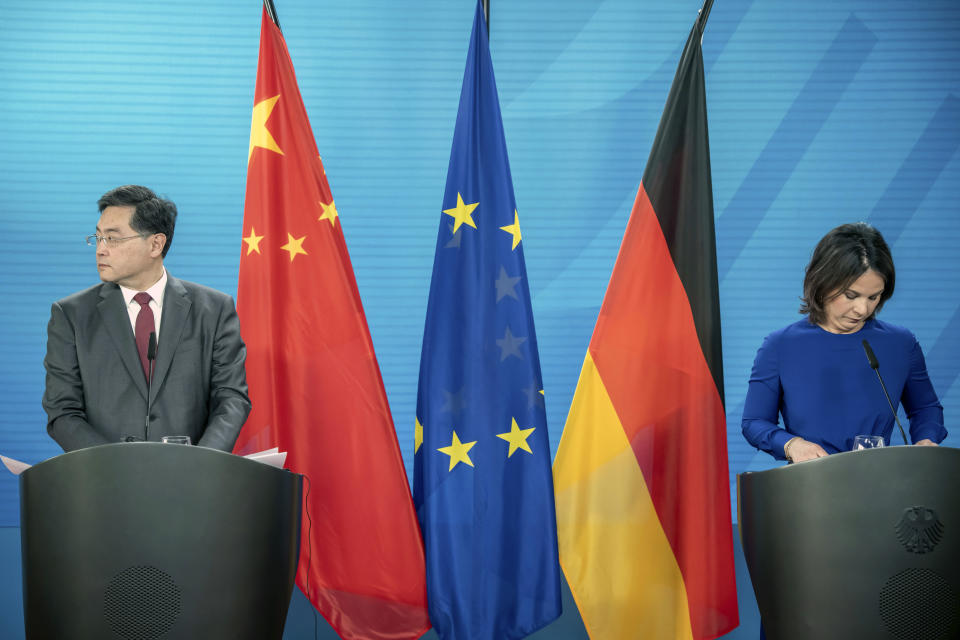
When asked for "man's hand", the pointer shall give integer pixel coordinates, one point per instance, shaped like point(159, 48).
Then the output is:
point(927, 442)
point(799, 450)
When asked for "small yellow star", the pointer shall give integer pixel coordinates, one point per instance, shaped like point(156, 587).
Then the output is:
point(253, 241)
point(417, 435)
point(462, 213)
point(458, 451)
point(329, 213)
point(517, 437)
point(294, 246)
point(259, 135)
point(514, 229)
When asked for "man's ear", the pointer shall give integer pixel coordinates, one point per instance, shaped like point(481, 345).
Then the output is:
point(157, 242)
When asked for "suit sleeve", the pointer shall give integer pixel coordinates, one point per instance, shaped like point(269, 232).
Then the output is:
point(229, 404)
point(920, 401)
point(761, 409)
point(63, 395)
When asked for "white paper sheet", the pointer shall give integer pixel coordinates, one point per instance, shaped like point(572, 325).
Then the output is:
point(15, 466)
point(273, 457)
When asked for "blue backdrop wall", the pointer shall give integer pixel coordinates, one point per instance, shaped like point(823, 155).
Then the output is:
point(821, 112)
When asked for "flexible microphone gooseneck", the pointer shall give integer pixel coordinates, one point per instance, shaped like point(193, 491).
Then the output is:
point(876, 367)
point(151, 356)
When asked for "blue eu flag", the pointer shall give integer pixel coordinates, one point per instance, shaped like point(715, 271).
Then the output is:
point(483, 487)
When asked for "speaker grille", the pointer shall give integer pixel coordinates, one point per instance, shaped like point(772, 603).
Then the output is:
point(141, 603)
point(918, 604)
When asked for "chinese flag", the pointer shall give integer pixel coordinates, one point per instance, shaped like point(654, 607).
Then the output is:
point(641, 479)
point(314, 380)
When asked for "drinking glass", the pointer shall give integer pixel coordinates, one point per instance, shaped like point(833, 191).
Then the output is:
point(867, 442)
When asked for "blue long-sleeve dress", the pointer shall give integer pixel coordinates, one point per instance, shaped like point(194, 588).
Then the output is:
point(822, 385)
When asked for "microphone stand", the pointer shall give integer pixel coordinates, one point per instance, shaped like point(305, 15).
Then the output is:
point(151, 356)
point(875, 365)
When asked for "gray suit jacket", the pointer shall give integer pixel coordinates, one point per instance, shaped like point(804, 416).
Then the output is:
point(96, 391)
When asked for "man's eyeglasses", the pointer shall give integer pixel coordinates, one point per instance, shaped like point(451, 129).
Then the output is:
point(111, 241)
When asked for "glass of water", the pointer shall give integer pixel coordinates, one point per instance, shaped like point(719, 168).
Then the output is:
point(867, 442)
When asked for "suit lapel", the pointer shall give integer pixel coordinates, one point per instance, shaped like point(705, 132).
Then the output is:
point(117, 322)
point(176, 308)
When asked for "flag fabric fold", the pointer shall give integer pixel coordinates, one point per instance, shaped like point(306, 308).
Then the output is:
point(314, 380)
point(641, 476)
point(482, 480)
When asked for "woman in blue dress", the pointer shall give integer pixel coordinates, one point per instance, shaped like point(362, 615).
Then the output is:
point(814, 373)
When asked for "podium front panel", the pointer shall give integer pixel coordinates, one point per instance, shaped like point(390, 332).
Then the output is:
point(147, 540)
point(862, 544)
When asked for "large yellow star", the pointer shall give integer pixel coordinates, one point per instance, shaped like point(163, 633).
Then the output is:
point(253, 241)
point(259, 135)
point(329, 213)
point(458, 451)
point(294, 246)
point(462, 213)
point(417, 435)
point(517, 437)
point(514, 229)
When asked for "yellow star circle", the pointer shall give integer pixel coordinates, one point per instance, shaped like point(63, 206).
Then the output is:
point(417, 435)
point(462, 213)
point(458, 451)
point(517, 438)
point(514, 229)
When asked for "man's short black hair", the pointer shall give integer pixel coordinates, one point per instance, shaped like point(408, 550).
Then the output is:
point(152, 214)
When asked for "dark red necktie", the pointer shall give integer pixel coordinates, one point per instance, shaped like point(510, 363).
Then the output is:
point(144, 327)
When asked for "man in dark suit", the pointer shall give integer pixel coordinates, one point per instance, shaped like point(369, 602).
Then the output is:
point(99, 354)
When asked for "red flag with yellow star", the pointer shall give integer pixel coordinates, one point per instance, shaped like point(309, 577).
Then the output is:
point(313, 376)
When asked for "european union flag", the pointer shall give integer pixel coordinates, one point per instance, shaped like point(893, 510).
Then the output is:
point(482, 480)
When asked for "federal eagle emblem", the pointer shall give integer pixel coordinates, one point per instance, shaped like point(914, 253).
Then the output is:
point(919, 530)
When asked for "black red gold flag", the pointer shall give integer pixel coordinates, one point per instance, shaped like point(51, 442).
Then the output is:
point(641, 476)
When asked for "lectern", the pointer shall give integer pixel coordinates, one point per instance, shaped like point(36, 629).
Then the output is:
point(144, 541)
point(857, 545)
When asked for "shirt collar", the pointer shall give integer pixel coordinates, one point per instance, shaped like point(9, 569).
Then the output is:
point(156, 291)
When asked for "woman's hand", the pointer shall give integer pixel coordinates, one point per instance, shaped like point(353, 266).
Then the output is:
point(926, 442)
point(799, 450)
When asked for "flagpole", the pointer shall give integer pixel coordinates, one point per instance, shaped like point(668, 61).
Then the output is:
point(704, 14)
point(486, 14)
point(272, 11)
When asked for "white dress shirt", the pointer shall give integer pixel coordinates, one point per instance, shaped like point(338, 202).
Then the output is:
point(156, 303)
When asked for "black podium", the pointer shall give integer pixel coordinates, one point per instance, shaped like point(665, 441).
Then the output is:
point(146, 541)
point(857, 545)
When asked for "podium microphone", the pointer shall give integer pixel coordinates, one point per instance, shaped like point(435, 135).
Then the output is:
point(151, 356)
point(872, 358)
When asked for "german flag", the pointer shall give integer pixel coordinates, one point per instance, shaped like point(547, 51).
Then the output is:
point(641, 478)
